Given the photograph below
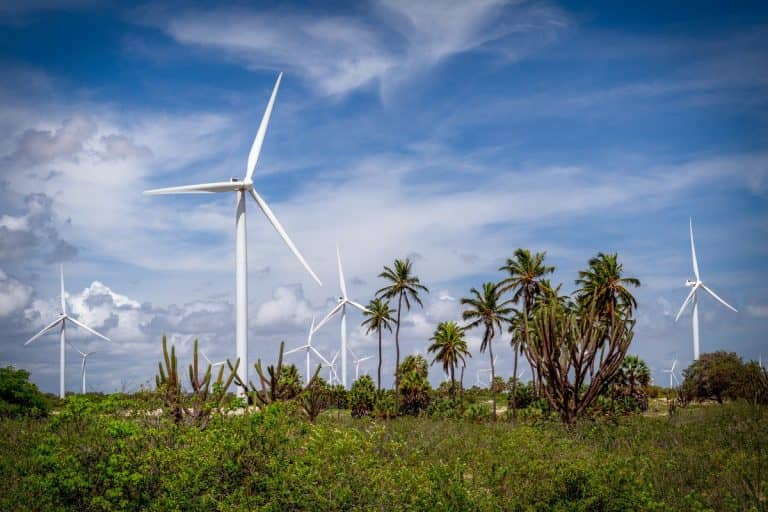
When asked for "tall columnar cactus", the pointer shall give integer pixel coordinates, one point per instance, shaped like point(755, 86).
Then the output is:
point(274, 387)
point(198, 405)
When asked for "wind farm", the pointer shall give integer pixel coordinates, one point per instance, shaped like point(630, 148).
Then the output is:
point(474, 289)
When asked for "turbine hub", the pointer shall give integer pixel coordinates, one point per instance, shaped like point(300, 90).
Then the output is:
point(690, 283)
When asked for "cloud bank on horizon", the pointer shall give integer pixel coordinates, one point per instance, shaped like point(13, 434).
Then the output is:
point(449, 132)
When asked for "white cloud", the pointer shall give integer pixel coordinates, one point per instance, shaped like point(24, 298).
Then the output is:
point(758, 310)
point(14, 295)
point(338, 54)
point(287, 306)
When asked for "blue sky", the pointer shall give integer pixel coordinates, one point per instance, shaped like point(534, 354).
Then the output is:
point(452, 133)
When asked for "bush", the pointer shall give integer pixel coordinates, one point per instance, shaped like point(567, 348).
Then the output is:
point(478, 412)
point(723, 375)
point(338, 396)
point(526, 395)
point(385, 407)
point(445, 408)
point(362, 397)
point(414, 393)
point(18, 396)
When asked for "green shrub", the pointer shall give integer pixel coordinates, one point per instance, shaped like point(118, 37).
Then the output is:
point(18, 396)
point(362, 397)
point(414, 393)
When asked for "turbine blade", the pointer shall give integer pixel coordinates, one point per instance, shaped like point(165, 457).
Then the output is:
point(83, 354)
point(88, 329)
point(364, 359)
point(202, 188)
point(693, 251)
point(311, 330)
point(253, 156)
point(294, 350)
point(279, 228)
point(719, 299)
point(63, 302)
point(342, 284)
point(206, 358)
point(357, 305)
point(685, 303)
point(320, 356)
point(45, 330)
point(330, 314)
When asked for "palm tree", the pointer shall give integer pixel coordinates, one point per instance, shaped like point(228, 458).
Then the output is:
point(379, 317)
point(605, 289)
point(634, 373)
point(406, 287)
point(526, 282)
point(450, 348)
point(488, 309)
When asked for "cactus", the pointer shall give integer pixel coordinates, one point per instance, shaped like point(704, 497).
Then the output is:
point(198, 405)
point(274, 387)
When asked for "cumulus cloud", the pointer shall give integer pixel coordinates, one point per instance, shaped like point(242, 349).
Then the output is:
point(34, 233)
point(287, 306)
point(14, 295)
point(36, 146)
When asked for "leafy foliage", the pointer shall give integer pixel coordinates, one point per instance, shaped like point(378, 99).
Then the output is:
point(18, 396)
point(362, 397)
point(450, 348)
point(723, 375)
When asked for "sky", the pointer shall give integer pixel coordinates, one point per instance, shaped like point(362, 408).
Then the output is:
point(448, 132)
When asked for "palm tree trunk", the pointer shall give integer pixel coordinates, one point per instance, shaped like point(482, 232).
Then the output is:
point(453, 384)
point(397, 344)
point(514, 384)
point(461, 381)
point(493, 373)
point(378, 381)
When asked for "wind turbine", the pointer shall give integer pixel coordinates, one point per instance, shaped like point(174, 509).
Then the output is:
point(241, 188)
point(332, 369)
point(695, 285)
point(341, 305)
point(63, 319)
point(357, 360)
point(672, 377)
point(213, 365)
point(84, 355)
point(309, 348)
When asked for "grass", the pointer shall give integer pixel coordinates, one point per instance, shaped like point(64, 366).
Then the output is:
point(90, 458)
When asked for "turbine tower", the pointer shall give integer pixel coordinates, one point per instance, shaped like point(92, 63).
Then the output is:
point(63, 319)
point(84, 355)
point(692, 297)
point(309, 348)
point(241, 188)
point(341, 306)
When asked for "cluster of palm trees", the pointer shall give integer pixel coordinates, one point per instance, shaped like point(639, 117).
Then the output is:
point(513, 304)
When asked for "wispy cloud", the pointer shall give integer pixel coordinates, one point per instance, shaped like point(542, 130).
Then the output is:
point(393, 42)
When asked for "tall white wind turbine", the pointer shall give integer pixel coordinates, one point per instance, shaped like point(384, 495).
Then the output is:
point(307, 348)
point(692, 296)
point(63, 319)
point(332, 375)
point(341, 306)
point(241, 188)
point(84, 355)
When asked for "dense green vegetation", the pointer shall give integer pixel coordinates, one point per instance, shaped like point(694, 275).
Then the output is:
point(108, 454)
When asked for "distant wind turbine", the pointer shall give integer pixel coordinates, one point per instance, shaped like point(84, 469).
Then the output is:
point(695, 285)
point(332, 375)
point(341, 306)
point(672, 377)
point(63, 319)
point(307, 348)
point(84, 355)
point(213, 365)
point(356, 361)
point(240, 188)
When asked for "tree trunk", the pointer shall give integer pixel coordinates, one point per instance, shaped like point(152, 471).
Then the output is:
point(378, 381)
point(493, 372)
point(397, 344)
point(461, 381)
point(514, 384)
point(453, 384)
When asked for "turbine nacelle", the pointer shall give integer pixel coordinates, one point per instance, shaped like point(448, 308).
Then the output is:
point(689, 283)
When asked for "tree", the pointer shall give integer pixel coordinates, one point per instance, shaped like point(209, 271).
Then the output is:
point(450, 348)
point(633, 374)
point(564, 346)
point(487, 309)
point(604, 288)
point(716, 376)
point(362, 397)
point(414, 363)
point(414, 391)
point(379, 317)
point(406, 287)
point(18, 396)
point(525, 282)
